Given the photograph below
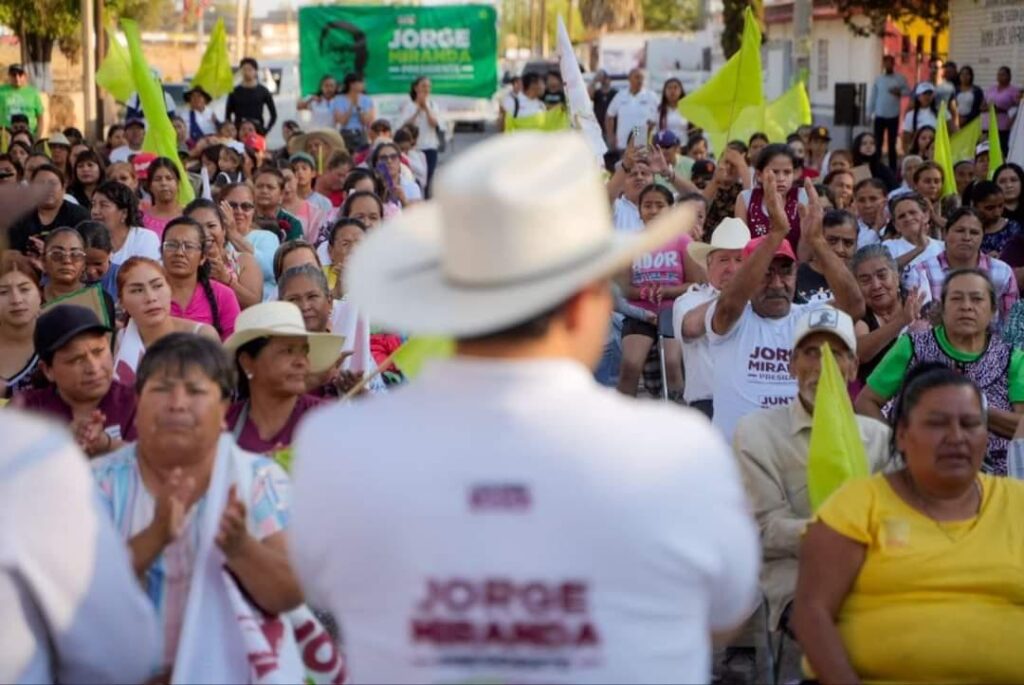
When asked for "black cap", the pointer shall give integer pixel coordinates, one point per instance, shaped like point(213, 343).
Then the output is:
point(702, 167)
point(820, 133)
point(16, 69)
point(19, 118)
point(59, 325)
point(135, 121)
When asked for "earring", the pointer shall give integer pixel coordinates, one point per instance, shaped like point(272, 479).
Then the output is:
point(249, 376)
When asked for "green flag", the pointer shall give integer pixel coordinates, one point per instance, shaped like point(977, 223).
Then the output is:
point(963, 143)
point(995, 148)
point(836, 452)
point(214, 74)
point(115, 74)
point(788, 112)
point(555, 119)
point(734, 94)
point(414, 352)
point(161, 138)
point(944, 153)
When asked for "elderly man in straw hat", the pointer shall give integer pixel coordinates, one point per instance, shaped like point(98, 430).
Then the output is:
point(519, 523)
point(721, 257)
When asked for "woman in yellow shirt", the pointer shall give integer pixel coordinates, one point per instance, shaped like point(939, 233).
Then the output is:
point(918, 575)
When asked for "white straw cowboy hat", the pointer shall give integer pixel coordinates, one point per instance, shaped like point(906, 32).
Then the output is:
point(730, 234)
point(283, 319)
point(518, 225)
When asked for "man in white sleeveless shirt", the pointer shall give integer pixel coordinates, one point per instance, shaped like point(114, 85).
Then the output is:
point(503, 518)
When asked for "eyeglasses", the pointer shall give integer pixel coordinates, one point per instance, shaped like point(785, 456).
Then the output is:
point(388, 158)
point(244, 206)
point(58, 254)
point(173, 246)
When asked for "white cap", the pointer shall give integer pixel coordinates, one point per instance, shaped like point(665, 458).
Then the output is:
point(924, 87)
point(982, 149)
point(826, 319)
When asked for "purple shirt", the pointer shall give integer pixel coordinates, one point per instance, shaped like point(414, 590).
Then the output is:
point(249, 437)
point(118, 405)
point(199, 309)
point(1004, 99)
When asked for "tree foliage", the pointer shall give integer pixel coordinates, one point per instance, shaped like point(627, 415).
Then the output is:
point(670, 15)
point(612, 15)
point(869, 17)
point(732, 19)
point(40, 24)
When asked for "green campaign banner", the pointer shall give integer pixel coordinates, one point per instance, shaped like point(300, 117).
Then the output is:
point(455, 45)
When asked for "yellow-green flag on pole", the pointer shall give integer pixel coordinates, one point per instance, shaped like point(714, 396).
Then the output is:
point(115, 74)
point(415, 352)
point(161, 138)
point(214, 73)
point(944, 153)
point(963, 143)
point(788, 112)
point(836, 453)
point(732, 90)
point(556, 119)
point(995, 149)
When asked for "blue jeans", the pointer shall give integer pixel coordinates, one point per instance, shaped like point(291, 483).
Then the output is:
point(607, 373)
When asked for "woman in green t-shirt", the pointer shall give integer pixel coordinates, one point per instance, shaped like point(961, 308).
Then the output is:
point(962, 341)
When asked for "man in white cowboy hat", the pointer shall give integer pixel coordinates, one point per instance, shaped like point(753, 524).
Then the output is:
point(502, 519)
point(721, 257)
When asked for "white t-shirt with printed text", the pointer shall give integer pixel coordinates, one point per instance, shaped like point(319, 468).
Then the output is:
point(751, 365)
point(519, 528)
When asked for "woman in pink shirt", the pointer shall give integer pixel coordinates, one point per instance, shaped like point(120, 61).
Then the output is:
point(1006, 98)
point(194, 296)
point(162, 181)
point(655, 281)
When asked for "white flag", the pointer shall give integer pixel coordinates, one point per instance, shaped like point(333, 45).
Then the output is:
point(1015, 153)
point(581, 109)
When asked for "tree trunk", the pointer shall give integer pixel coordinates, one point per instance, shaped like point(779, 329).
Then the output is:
point(37, 54)
point(612, 15)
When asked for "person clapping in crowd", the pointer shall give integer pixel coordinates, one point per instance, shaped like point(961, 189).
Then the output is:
point(423, 113)
point(889, 308)
point(75, 357)
point(185, 490)
point(963, 340)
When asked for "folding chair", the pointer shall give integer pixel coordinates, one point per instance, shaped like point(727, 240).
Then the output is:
point(664, 332)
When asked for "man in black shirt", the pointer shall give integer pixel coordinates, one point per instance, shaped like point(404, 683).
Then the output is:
point(53, 211)
point(249, 98)
point(603, 94)
point(840, 229)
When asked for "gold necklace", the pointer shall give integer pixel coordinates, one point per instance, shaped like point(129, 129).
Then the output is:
point(909, 482)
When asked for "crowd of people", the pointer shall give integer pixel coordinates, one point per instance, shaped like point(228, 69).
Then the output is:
point(503, 517)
